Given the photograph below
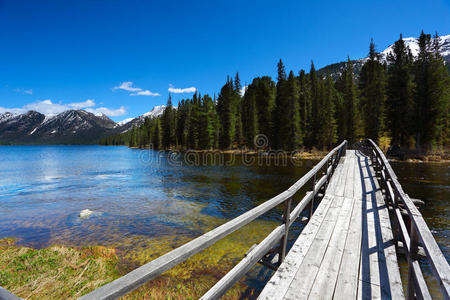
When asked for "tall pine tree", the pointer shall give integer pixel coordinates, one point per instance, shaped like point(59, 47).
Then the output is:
point(372, 84)
point(400, 94)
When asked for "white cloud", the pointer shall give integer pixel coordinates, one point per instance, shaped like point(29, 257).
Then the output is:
point(174, 90)
point(107, 111)
point(47, 107)
point(23, 91)
point(127, 86)
point(80, 105)
point(144, 93)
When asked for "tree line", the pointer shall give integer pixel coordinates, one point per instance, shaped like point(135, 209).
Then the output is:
point(405, 100)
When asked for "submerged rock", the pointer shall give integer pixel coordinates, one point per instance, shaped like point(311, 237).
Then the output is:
point(86, 213)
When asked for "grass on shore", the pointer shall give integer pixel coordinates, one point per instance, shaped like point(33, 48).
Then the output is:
point(56, 272)
point(65, 272)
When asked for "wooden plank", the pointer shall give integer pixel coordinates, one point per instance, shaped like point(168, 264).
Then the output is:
point(349, 182)
point(369, 277)
point(347, 281)
point(226, 282)
point(340, 186)
point(324, 284)
point(301, 285)
point(334, 179)
point(379, 275)
point(391, 283)
point(357, 187)
point(280, 281)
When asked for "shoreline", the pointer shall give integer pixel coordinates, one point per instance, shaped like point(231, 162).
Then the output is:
point(313, 154)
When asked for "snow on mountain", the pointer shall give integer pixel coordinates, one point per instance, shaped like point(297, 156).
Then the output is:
point(123, 122)
point(413, 44)
point(68, 127)
point(128, 124)
point(335, 70)
point(155, 112)
point(6, 116)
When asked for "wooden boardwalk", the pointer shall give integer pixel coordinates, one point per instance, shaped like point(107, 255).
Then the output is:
point(347, 250)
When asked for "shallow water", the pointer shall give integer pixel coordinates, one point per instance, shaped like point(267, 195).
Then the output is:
point(141, 194)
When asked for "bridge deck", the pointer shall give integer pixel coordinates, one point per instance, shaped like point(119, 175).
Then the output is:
point(346, 251)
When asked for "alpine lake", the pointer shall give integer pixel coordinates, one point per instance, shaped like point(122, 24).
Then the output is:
point(145, 203)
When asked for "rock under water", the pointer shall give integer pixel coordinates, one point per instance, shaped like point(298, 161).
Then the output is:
point(86, 213)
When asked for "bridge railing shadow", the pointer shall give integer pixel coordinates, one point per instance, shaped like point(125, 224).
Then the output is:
point(409, 227)
point(374, 245)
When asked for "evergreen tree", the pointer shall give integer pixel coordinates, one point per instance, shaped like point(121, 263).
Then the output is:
point(257, 109)
point(227, 110)
point(351, 123)
point(168, 125)
point(237, 83)
point(326, 135)
point(239, 136)
point(250, 114)
point(156, 141)
point(206, 122)
point(304, 101)
point(294, 134)
point(400, 94)
point(372, 84)
point(314, 122)
point(431, 93)
point(279, 116)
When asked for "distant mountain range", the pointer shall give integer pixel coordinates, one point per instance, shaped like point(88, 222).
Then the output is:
point(82, 127)
point(68, 127)
point(335, 70)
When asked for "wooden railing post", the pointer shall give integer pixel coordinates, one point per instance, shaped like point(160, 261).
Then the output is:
point(286, 221)
point(311, 208)
point(413, 248)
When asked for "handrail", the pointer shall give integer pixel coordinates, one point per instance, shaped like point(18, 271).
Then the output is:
point(152, 269)
point(418, 231)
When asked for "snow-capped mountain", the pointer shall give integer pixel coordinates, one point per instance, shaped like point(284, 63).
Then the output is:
point(128, 124)
point(68, 127)
point(336, 69)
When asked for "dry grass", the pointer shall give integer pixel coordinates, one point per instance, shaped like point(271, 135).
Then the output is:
point(63, 272)
point(56, 272)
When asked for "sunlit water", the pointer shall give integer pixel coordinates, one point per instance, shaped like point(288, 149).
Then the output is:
point(136, 194)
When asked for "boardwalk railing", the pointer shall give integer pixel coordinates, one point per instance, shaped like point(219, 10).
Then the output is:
point(278, 236)
point(411, 230)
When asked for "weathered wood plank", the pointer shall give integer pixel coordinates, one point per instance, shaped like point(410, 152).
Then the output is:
point(280, 281)
point(324, 284)
point(390, 280)
point(347, 282)
point(301, 285)
point(340, 185)
point(349, 181)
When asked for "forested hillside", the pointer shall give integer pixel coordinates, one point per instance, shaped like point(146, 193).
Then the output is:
point(404, 99)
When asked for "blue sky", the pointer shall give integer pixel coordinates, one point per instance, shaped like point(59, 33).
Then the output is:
point(77, 54)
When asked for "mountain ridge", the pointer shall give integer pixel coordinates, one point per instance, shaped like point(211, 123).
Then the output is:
point(68, 127)
point(336, 69)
